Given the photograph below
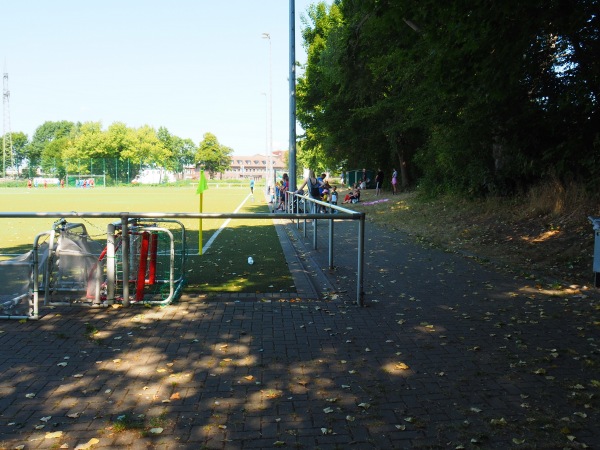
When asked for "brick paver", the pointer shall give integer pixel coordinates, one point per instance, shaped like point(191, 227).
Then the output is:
point(447, 353)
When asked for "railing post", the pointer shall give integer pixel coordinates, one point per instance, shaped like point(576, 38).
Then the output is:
point(36, 275)
point(331, 226)
point(305, 231)
point(125, 253)
point(47, 267)
point(110, 264)
point(360, 295)
point(315, 206)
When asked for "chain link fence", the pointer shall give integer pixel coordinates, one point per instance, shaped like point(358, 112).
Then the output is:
point(112, 171)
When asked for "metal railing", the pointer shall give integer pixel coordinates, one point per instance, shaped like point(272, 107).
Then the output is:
point(334, 213)
point(297, 205)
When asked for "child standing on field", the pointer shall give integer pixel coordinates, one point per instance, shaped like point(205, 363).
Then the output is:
point(334, 195)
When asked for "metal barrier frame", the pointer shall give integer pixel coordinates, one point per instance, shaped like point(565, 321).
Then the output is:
point(336, 213)
point(134, 223)
point(292, 202)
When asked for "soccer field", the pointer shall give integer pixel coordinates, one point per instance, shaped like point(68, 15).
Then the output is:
point(223, 267)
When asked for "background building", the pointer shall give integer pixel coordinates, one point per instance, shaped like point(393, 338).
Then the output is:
point(246, 167)
point(254, 166)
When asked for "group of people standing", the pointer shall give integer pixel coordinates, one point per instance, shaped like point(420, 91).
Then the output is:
point(318, 188)
point(379, 182)
point(44, 182)
point(280, 189)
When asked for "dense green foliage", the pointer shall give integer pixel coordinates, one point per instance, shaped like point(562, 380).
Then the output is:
point(60, 148)
point(214, 157)
point(475, 97)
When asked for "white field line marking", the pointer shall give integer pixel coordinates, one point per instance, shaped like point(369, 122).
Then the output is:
point(214, 236)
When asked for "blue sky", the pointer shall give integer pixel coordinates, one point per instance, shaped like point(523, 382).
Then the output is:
point(192, 66)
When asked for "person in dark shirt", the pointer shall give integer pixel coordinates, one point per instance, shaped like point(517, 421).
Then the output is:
point(378, 182)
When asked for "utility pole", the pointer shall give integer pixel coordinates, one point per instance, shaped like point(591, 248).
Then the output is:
point(7, 145)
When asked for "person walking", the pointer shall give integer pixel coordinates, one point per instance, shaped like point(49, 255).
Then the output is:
point(252, 185)
point(394, 181)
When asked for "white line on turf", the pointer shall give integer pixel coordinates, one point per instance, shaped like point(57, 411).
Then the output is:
point(214, 236)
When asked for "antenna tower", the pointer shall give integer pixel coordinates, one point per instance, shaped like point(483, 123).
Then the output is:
point(7, 144)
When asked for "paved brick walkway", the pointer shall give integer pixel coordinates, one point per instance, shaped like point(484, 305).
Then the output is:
point(447, 353)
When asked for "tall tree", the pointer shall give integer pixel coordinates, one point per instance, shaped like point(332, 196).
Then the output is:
point(147, 149)
point(316, 87)
point(119, 139)
point(183, 151)
point(20, 141)
point(53, 161)
point(43, 135)
point(213, 156)
point(478, 97)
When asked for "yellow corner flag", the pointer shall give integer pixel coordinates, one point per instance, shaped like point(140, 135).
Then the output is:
point(202, 186)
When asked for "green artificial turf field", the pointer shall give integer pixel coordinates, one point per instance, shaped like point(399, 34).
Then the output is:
point(222, 268)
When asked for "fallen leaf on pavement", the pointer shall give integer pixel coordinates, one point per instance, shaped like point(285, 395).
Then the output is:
point(88, 444)
point(53, 435)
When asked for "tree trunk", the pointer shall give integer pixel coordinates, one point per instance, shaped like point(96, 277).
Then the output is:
point(398, 149)
point(404, 182)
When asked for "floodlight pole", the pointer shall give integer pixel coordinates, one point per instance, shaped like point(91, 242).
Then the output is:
point(266, 138)
point(292, 88)
point(270, 169)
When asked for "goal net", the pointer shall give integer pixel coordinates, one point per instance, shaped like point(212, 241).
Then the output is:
point(86, 181)
point(74, 271)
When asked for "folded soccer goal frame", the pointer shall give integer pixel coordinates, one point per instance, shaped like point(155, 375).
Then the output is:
point(136, 250)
